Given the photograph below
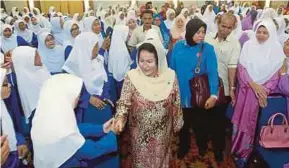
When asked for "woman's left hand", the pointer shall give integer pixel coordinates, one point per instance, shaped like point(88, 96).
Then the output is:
point(210, 103)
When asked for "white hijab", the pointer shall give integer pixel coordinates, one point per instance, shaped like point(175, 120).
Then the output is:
point(88, 22)
point(8, 20)
point(169, 23)
point(183, 13)
point(158, 88)
point(68, 39)
point(44, 22)
point(53, 58)
point(262, 61)
point(281, 30)
point(54, 131)
point(119, 60)
point(57, 30)
point(36, 28)
point(8, 43)
point(237, 32)
point(14, 12)
point(80, 63)
point(209, 19)
point(27, 34)
point(79, 23)
point(120, 21)
point(30, 78)
point(7, 123)
point(27, 11)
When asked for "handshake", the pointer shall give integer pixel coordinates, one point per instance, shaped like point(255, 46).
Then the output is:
point(115, 125)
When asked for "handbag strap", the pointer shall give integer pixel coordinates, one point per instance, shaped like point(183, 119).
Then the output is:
point(272, 118)
point(200, 54)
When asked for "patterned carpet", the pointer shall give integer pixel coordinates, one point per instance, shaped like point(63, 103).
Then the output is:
point(193, 160)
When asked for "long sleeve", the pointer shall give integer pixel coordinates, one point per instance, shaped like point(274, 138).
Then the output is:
point(172, 58)
point(22, 42)
point(283, 85)
point(67, 52)
point(178, 121)
point(243, 76)
point(20, 139)
point(34, 41)
point(124, 103)
point(212, 71)
point(91, 130)
point(272, 83)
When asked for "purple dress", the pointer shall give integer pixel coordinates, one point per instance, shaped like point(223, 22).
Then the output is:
point(283, 87)
point(245, 115)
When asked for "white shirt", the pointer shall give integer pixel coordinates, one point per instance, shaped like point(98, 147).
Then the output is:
point(228, 53)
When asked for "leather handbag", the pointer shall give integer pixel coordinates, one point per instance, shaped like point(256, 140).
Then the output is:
point(200, 89)
point(275, 136)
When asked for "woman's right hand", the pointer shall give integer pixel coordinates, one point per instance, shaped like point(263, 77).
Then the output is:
point(259, 90)
point(5, 150)
point(263, 102)
point(98, 103)
point(118, 125)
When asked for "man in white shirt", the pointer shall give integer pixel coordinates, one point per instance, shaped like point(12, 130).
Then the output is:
point(227, 49)
point(138, 35)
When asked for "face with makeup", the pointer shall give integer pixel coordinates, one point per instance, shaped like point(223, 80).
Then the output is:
point(199, 35)
point(147, 60)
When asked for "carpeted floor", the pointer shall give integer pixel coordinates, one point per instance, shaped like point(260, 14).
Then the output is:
point(193, 160)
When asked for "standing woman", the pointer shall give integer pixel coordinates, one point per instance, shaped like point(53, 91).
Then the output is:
point(86, 60)
point(170, 18)
point(22, 30)
point(185, 14)
point(52, 55)
point(119, 60)
point(132, 24)
point(184, 61)
point(178, 31)
point(149, 111)
point(71, 30)
point(261, 58)
point(158, 21)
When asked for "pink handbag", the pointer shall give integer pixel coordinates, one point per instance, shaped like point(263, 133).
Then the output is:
point(275, 136)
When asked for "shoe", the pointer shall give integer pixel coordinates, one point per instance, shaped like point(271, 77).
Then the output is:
point(219, 156)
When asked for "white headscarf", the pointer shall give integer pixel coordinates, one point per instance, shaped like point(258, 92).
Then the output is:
point(57, 30)
point(51, 11)
point(44, 22)
point(209, 19)
point(8, 43)
point(27, 34)
point(169, 23)
point(281, 30)
point(79, 23)
point(268, 13)
point(178, 33)
point(68, 39)
point(28, 11)
point(158, 88)
point(262, 61)
point(183, 13)
point(8, 20)
point(14, 12)
point(30, 78)
point(54, 143)
point(119, 60)
point(152, 34)
point(119, 21)
point(3, 14)
point(237, 32)
point(88, 22)
point(53, 58)
point(36, 28)
point(7, 123)
point(81, 64)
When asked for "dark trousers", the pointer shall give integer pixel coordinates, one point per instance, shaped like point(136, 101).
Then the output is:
point(204, 123)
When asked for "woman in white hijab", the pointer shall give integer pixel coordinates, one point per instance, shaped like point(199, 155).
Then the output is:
point(268, 13)
point(26, 11)
point(28, 35)
point(31, 75)
point(185, 13)
point(10, 20)
point(63, 143)
point(260, 60)
point(170, 15)
point(237, 32)
point(120, 20)
point(86, 60)
point(9, 41)
point(148, 112)
point(57, 29)
point(15, 12)
point(209, 18)
point(71, 30)
point(51, 12)
point(52, 55)
point(44, 22)
point(281, 30)
point(9, 138)
point(119, 60)
point(78, 19)
point(35, 26)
